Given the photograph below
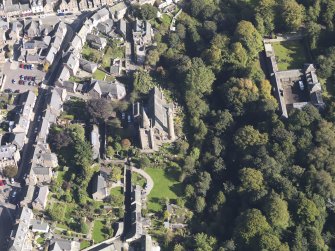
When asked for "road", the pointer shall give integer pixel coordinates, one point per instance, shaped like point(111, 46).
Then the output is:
point(6, 226)
point(28, 149)
point(71, 31)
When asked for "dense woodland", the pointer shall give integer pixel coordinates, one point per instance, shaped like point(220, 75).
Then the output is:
point(255, 181)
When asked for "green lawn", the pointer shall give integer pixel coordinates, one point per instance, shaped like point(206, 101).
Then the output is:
point(137, 179)
point(112, 52)
point(116, 191)
point(91, 54)
point(84, 244)
point(166, 185)
point(290, 54)
point(98, 235)
point(99, 75)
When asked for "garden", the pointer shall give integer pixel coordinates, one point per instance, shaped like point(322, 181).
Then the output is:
point(290, 54)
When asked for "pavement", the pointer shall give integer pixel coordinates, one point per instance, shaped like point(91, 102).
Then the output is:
point(149, 184)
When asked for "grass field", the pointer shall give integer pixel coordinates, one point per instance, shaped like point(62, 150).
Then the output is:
point(98, 235)
point(84, 244)
point(99, 75)
point(117, 191)
point(166, 185)
point(290, 54)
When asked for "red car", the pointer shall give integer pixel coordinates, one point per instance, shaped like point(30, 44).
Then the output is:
point(2, 183)
point(22, 66)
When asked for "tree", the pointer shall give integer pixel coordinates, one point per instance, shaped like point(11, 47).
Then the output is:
point(269, 241)
point(292, 14)
point(237, 93)
point(142, 82)
point(152, 57)
point(145, 11)
point(126, 144)
point(83, 226)
point(56, 212)
point(99, 109)
point(204, 242)
point(249, 37)
point(203, 183)
point(265, 15)
point(199, 77)
point(110, 151)
point(276, 211)
point(248, 136)
point(200, 204)
point(144, 162)
point(251, 179)
point(116, 174)
point(249, 225)
point(10, 171)
point(307, 210)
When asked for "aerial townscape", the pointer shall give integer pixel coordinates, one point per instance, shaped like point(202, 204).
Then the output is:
point(167, 125)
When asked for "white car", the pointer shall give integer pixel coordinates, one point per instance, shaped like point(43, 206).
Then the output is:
point(11, 180)
point(301, 85)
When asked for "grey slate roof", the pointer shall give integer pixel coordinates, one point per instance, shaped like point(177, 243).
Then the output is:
point(87, 65)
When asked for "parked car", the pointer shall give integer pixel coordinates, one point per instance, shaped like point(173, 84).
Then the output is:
point(13, 81)
point(301, 85)
point(14, 194)
point(11, 180)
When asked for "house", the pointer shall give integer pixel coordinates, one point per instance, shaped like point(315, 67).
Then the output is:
point(82, 5)
point(38, 226)
point(9, 156)
point(18, 140)
point(71, 61)
point(100, 191)
point(112, 90)
point(142, 37)
point(51, 55)
point(105, 27)
point(67, 6)
point(16, 30)
point(87, 66)
point(40, 174)
point(21, 238)
point(95, 142)
point(122, 28)
point(314, 86)
point(76, 44)
point(156, 121)
point(49, 6)
point(40, 202)
point(100, 16)
point(63, 245)
point(118, 10)
point(96, 42)
point(64, 75)
point(37, 6)
point(116, 67)
point(32, 29)
point(70, 87)
point(136, 230)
